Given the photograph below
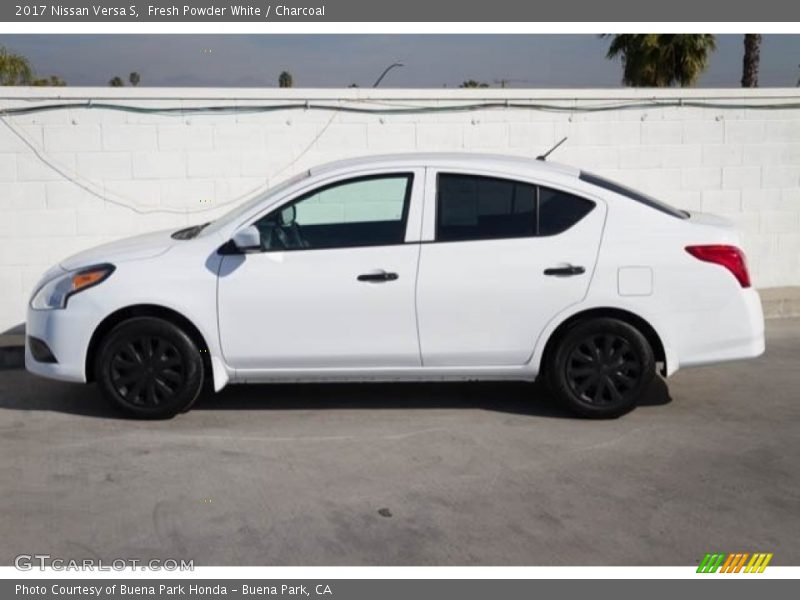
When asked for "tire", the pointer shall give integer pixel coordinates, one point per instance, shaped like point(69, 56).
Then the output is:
point(600, 368)
point(149, 368)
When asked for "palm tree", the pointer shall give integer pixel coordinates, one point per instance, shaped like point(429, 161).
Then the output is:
point(471, 83)
point(661, 60)
point(134, 78)
point(752, 56)
point(285, 80)
point(14, 68)
point(52, 81)
point(116, 81)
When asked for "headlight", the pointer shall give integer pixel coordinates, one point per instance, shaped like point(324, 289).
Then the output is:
point(56, 292)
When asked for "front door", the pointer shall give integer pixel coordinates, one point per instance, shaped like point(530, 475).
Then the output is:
point(333, 285)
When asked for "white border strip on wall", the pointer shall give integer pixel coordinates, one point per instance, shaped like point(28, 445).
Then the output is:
point(364, 94)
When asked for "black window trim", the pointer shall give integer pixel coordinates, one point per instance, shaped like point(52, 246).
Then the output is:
point(537, 187)
point(632, 194)
point(409, 177)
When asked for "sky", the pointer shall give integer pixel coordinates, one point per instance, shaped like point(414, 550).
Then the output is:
point(534, 60)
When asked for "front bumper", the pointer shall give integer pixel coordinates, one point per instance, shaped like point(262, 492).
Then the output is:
point(67, 334)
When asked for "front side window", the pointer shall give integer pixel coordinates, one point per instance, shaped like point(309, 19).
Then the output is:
point(471, 207)
point(368, 211)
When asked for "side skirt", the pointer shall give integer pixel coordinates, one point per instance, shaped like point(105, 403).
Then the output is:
point(523, 373)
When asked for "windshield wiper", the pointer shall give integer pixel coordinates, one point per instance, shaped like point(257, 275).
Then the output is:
point(190, 232)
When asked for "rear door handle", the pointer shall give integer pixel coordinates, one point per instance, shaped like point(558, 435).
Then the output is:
point(378, 276)
point(567, 271)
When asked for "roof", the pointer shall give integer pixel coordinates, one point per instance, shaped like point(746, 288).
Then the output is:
point(451, 159)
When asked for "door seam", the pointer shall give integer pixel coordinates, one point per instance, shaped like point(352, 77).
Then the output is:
point(424, 179)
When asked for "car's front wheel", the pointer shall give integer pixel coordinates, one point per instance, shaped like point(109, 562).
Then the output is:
point(150, 368)
point(600, 368)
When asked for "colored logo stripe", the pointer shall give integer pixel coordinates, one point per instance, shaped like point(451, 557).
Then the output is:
point(710, 563)
point(734, 562)
point(758, 563)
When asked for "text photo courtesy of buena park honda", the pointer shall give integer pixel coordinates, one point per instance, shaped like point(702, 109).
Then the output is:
point(442, 300)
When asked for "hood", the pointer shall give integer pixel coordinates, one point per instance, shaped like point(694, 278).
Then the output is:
point(132, 248)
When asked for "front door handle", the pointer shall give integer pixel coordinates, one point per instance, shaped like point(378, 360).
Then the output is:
point(378, 276)
point(567, 271)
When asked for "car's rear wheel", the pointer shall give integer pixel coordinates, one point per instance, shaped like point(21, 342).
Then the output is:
point(150, 368)
point(600, 368)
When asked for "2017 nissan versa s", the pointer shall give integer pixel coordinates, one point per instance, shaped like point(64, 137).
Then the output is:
point(414, 267)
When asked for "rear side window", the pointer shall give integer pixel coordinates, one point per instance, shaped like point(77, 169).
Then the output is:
point(471, 207)
point(481, 208)
point(618, 188)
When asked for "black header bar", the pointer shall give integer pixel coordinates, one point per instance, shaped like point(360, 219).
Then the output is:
point(470, 11)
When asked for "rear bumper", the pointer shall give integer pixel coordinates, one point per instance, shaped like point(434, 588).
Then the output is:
point(732, 332)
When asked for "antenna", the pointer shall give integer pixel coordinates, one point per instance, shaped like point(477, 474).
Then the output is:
point(549, 152)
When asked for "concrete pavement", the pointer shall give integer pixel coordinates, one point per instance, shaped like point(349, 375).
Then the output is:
point(438, 474)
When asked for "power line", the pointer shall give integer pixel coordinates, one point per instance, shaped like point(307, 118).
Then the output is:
point(335, 109)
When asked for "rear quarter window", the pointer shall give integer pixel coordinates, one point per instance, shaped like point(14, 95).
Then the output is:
point(558, 211)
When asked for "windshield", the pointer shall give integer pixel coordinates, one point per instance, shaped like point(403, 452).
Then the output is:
point(242, 209)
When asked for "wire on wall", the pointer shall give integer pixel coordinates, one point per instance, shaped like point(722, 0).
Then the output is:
point(232, 109)
point(89, 187)
point(335, 109)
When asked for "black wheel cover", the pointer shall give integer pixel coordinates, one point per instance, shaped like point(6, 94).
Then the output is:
point(147, 371)
point(603, 369)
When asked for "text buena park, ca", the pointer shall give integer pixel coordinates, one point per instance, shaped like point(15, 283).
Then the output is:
point(186, 11)
point(172, 590)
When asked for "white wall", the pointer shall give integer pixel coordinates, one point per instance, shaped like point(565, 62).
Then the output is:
point(177, 169)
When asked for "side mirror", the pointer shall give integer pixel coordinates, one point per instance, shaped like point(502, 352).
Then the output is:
point(248, 239)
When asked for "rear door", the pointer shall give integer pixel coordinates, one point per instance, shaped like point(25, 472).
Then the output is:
point(506, 256)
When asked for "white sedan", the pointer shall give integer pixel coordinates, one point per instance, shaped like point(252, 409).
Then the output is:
point(396, 268)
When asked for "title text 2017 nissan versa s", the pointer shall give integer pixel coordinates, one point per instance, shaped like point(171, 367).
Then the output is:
point(410, 267)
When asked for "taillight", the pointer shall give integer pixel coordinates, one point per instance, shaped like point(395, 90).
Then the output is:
point(730, 257)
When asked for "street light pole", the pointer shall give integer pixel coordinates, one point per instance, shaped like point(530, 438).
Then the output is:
point(385, 71)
